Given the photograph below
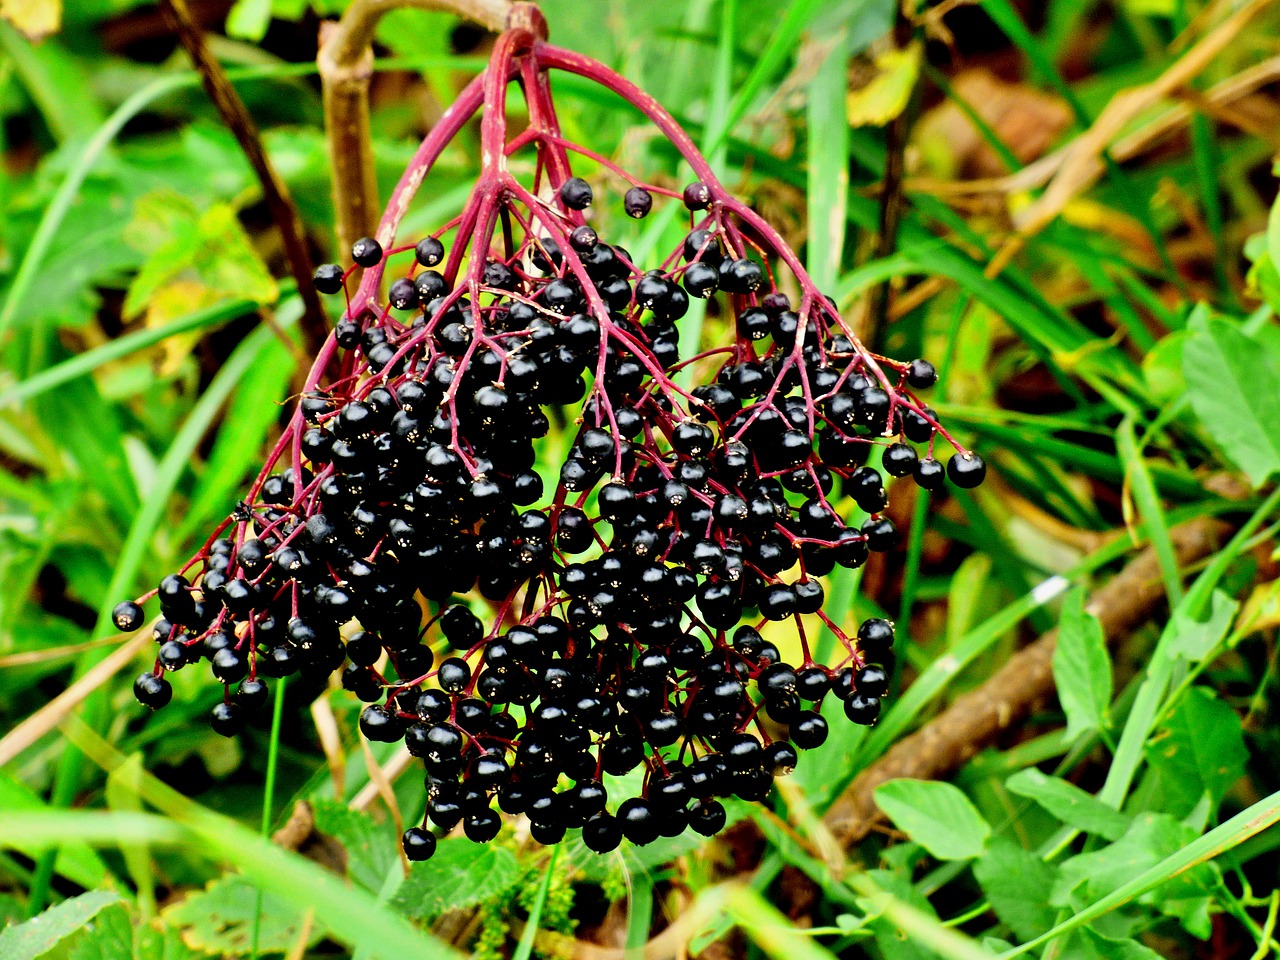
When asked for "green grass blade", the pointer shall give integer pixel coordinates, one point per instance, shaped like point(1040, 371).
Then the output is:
point(91, 360)
point(828, 180)
point(1153, 519)
point(524, 949)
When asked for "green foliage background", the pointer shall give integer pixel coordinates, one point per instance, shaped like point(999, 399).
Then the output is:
point(1124, 364)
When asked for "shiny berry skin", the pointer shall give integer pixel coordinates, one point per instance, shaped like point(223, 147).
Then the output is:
point(575, 193)
point(871, 681)
point(366, 252)
point(419, 844)
point(152, 691)
point(228, 719)
point(429, 251)
point(875, 637)
point(900, 460)
point(966, 470)
point(602, 833)
point(930, 474)
point(810, 731)
point(327, 278)
point(921, 375)
point(640, 824)
point(862, 709)
point(707, 817)
point(127, 616)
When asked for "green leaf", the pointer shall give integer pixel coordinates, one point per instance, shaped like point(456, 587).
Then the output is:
point(1082, 669)
point(249, 19)
point(1200, 750)
point(1235, 391)
point(108, 936)
point(1152, 838)
point(1075, 807)
point(220, 919)
point(460, 874)
point(935, 815)
point(1017, 883)
point(370, 847)
point(1194, 640)
point(37, 936)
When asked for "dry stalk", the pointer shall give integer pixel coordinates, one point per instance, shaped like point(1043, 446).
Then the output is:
point(346, 70)
point(274, 191)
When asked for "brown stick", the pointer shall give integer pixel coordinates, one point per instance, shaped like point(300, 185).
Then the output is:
point(976, 719)
point(234, 114)
point(345, 60)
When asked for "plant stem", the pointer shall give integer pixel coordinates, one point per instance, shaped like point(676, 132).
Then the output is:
point(274, 190)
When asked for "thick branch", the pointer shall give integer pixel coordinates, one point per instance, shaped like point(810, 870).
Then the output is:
point(346, 69)
point(234, 114)
point(975, 720)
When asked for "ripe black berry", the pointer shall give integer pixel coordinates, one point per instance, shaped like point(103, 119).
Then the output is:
point(419, 844)
point(429, 251)
point(697, 196)
point(328, 278)
point(367, 252)
point(127, 616)
point(575, 193)
point(152, 691)
point(966, 470)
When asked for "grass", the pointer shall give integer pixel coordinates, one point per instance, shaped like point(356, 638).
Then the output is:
point(118, 451)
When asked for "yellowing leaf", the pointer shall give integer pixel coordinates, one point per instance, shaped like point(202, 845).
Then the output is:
point(888, 92)
point(36, 19)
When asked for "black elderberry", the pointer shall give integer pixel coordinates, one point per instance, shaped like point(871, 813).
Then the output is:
point(966, 470)
point(810, 731)
point(419, 844)
point(127, 616)
point(637, 202)
point(228, 719)
point(429, 251)
point(697, 196)
point(921, 375)
point(575, 193)
point(707, 817)
point(900, 460)
point(701, 279)
point(367, 252)
point(328, 278)
point(930, 474)
point(152, 691)
point(862, 709)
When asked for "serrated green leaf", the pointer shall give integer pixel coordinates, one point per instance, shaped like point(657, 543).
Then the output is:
point(1017, 883)
point(220, 919)
point(1075, 807)
point(936, 815)
point(40, 934)
point(1201, 750)
point(1082, 668)
point(1234, 388)
point(459, 874)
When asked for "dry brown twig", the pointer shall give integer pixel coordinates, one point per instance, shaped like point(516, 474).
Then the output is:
point(976, 719)
point(346, 69)
point(274, 191)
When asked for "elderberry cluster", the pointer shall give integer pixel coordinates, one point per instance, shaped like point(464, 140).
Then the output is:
point(527, 643)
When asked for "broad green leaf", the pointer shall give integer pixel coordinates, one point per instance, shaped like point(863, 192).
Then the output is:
point(108, 936)
point(1075, 807)
point(370, 847)
point(1201, 750)
point(220, 919)
point(1235, 390)
point(460, 874)
point(1017, 883)
point(1089, 877)
point(1194, 639)
point(935, 815)
point(37, 936)
point(1082, 669)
